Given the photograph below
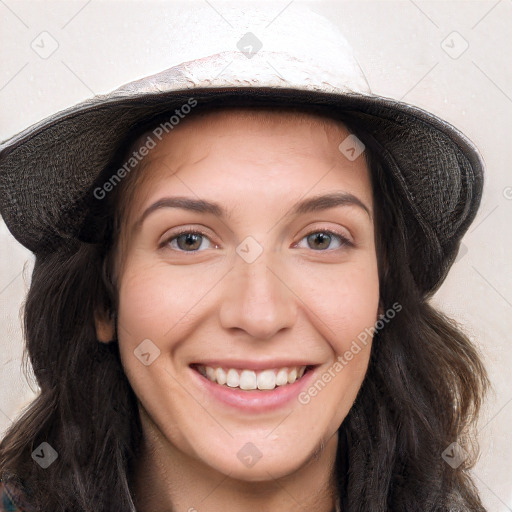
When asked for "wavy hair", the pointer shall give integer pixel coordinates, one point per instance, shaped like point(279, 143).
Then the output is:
point(423, 389)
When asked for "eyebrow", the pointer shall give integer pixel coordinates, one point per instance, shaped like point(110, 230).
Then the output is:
point(312, 204)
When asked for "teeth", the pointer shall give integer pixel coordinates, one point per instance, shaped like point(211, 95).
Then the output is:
point(247, 379)
point(266, 379)
point(250, 380)
point(282, 377)
point(233, 379)
point(220, 376)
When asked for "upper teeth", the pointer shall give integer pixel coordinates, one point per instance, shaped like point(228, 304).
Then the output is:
point(248, 379)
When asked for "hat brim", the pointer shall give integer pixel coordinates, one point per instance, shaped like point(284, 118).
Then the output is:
point(49, 168)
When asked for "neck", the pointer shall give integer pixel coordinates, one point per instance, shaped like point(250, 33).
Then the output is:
point(167, 479)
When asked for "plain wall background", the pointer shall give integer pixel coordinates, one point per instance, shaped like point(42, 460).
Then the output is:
point(399, 45)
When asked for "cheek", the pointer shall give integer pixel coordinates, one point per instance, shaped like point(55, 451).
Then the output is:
point(152, 302)
point(152, 299)
point(344, 299)
point(347, 310)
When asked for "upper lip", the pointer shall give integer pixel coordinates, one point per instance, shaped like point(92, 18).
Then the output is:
point(253, 365)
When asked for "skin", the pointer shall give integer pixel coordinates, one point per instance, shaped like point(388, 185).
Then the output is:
point(294, 301)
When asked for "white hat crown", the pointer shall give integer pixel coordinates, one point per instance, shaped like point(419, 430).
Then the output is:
point(254, 47)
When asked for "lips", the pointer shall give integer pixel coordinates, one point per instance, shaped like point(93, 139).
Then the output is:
point(265, 387)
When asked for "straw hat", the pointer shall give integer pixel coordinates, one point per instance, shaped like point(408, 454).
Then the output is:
point(47, 170)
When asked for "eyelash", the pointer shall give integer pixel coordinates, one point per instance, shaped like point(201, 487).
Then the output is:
point(344, 242)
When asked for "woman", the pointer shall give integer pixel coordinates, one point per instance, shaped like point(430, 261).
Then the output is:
point(229, 307)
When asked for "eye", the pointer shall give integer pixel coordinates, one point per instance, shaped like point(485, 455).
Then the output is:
point(186, 241)
point(320, 240)
point(192, 241)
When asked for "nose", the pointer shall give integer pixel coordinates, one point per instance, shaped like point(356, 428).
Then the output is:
point(257, 298)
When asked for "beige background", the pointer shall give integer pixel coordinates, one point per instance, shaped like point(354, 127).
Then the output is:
point(399, 44)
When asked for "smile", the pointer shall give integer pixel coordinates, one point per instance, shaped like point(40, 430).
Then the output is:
point(252, 386)
point(250, 379)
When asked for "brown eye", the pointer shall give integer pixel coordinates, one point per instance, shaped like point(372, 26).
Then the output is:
point(321, 240)
point(186, 241)
point(189, 241)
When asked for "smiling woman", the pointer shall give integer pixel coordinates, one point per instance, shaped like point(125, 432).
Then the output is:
point(240, 320)
point(250, 333)
point(240, 263)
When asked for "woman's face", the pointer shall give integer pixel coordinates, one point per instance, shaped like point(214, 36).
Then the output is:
point(264, 295)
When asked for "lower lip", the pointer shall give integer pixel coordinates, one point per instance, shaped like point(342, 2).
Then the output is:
point(254, 400)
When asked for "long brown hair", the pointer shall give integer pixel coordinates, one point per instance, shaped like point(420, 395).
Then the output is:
point(423, 389)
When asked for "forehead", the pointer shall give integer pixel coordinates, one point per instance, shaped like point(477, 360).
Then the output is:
point(236, 132)
point(239, 123)
point(226, 153)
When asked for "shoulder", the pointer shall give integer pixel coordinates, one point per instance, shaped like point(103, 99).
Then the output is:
point(11, 498)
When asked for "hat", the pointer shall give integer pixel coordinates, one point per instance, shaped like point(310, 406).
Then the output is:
point(48, 169)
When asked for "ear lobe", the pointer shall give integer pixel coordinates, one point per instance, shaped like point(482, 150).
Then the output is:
point(105, 327)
